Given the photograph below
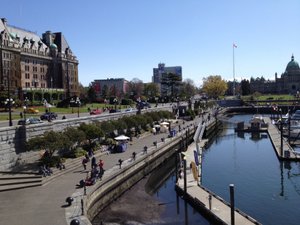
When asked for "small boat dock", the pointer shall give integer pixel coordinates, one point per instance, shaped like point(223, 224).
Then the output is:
point(211, 205)
point(282, 148)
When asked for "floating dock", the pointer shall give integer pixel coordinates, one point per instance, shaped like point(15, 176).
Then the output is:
point(283, 149)
point(213, 206)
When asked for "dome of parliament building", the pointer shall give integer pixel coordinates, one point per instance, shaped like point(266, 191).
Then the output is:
point(292, 66)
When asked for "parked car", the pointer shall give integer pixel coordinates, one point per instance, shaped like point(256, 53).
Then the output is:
point(31, 110)
point(48, 116)
point(114, 110)
point(95, 111)
point(129, 110)
point(30, 120)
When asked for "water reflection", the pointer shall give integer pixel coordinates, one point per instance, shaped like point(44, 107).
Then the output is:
point(266, 188)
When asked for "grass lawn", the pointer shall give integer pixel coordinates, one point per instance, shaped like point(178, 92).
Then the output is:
point(270, 97)
point(83, 109)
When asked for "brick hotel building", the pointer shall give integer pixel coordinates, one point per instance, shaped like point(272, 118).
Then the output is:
point(36, 67)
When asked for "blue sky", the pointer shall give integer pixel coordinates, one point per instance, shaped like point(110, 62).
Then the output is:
point(118, 38)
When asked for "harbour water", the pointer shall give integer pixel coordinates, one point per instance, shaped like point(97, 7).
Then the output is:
point(265, 188)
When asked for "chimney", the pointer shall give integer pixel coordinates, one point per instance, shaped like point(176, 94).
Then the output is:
point(4, 21)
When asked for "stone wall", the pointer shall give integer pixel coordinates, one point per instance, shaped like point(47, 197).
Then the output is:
point(12, 139)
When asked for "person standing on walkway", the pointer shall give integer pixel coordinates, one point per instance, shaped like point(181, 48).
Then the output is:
point(133, 156)
point(120, 163)
point(145, 149)
point(101, 169)
point(93, 162)
point(84, 162)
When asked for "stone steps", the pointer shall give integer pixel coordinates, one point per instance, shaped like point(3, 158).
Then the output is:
point(13, 181)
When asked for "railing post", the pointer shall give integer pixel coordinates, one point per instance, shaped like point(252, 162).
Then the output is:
point(231, 187)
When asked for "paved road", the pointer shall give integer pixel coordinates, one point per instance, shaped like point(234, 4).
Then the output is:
point(44, 205)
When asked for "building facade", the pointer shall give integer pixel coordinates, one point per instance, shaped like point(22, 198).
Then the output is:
point(110, 87)
point(168, 79)
point(36, 67)
point(287, 83)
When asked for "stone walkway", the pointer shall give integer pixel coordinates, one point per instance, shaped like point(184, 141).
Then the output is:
point(45, 205)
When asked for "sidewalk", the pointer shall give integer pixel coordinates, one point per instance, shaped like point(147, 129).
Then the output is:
point(44, 205)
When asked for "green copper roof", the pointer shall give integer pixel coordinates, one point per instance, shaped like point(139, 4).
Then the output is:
point(292, 65)
point(53, 45)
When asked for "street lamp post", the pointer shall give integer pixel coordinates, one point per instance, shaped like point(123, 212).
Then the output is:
point(71, 104)
point(25, 107)
point(9, 102)
point(78, 105)
point(115, 101)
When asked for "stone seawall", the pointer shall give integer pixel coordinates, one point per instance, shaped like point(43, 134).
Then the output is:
point(12, 139)
point(115, 185)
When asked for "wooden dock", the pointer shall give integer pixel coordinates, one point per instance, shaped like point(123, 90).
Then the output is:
point(216, 209)
point(287, 152)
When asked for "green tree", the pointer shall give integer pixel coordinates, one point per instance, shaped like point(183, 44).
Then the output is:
point(188, 89)
point(92, 96)
point(92, 132)
point(214, 86)
point(74, 137)
point(173, 81)
point(54, 141)
point(151, 90)
point(245, 87)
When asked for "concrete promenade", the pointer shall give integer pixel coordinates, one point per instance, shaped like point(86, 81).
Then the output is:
point(45, 205)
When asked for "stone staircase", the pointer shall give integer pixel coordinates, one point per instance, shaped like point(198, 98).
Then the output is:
point(13, 181)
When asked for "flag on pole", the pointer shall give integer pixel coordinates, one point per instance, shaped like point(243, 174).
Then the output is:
point(234, 45)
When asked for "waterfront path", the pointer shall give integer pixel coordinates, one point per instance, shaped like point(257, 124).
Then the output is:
point(45, 205)
point(217, 207)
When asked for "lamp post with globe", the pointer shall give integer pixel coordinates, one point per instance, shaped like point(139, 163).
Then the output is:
point(26, 100)
point(9, 102)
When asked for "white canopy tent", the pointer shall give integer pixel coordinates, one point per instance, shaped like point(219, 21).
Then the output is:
point(122, 138)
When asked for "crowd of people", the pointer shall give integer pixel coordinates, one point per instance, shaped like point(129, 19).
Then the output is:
point(96, 172)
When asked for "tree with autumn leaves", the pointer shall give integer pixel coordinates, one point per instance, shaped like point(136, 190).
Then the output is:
point(214, 86)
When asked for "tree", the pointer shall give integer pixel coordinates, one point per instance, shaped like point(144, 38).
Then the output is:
point(105, 91)
point(245, 87)
point(92, 132)
point(74, 137)
point(214, 86)
point(151, 90)
point(91, 94)
point(135, 88)
point(82, 91)
point(171, 80)
point(188, 89)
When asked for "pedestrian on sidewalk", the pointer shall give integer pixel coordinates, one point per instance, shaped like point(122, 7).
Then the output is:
point(145, 149)
point(133, 156)
point(120, 163)
point(84, 162)
point(93, 162)
point(101, 169)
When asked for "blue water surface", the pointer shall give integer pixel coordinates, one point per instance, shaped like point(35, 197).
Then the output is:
point(265, 188)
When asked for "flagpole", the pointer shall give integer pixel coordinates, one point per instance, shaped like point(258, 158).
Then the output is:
point(233, 46)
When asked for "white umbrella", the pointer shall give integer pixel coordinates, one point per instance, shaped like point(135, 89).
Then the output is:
point(164, 123)
point(121, 138)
